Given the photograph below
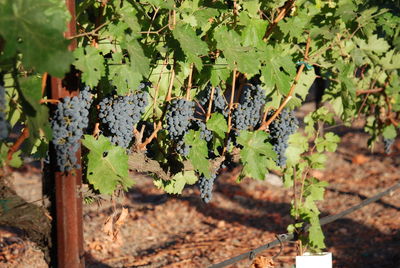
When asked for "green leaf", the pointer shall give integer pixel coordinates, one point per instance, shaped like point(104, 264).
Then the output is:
point(177, 182)
point(218, 124)
point(219, 71)
point(122, 75)
point(254, 32)
point(139, 62)
point(15, 161)
point(317, 160)
point(35, 29)
point(198, 152)
point(107, 165)
point(316, 236)
point(389, 132)
point(255, 153)
point(328, 143)
point(298, 144)
point(244, 58)
point(91, 63)
point(294, 27)
point(303, 87)
point(37, 114)
point(191, 44)
point(275, 61)
point(374, 44)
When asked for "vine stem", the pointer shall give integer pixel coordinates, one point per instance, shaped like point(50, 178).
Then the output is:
point(189, 85)
point(92, 32)
point(367, 91)
point(24, 135)
point(152, 136)
point(285, 9)
point(171, 85)
point(210, 103)
point(44, 81)
point(231, 100)
point(44, 101)
point(265, 124)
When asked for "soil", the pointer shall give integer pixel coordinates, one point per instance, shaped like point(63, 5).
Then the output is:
point(159, 230)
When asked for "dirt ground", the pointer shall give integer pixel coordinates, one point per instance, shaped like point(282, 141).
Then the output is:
point(159, 230)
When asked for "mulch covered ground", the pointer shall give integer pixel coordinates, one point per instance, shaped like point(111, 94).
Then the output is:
point(158, 230)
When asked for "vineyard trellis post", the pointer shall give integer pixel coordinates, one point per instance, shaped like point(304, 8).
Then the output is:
point(68, 200)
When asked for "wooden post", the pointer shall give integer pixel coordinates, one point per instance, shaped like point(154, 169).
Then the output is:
point(68, 200)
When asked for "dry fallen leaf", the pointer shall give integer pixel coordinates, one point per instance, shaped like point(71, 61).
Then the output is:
point(359, 159)
point(262, 262)
point(108, 226)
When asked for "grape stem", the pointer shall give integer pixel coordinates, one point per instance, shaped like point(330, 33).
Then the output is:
point(231, 100)
point(189, 86)
point(210, 103)
point(265, 124)
point(285, 9)
point(171, 85)
point(42, 101)
point(153, 135)
point(24, 135)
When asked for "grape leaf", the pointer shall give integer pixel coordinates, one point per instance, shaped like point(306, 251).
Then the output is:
point(198, 152)
point(37, 114)
point(219, 71)
point(255, 153)
point(218, 124)
point(244, 58)
point(191, 44)
point(298, 144)
point(177, 182)
point(15, 161)
point(139, 62)
point(272, 71)
point(328, 143)
point(121, 74)
point(91, 63)
point(374, 44)
point(316, 236)
point(107, 165)
point(35, 29)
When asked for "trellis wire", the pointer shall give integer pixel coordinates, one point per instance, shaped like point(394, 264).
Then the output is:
point(290, 236)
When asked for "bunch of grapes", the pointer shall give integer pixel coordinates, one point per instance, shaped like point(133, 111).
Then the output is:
point(206, 187)
point(219, 104)
point(280, 129)
point(119, 115)
point(4, 126)
point(388, 143)
point(179, 113)
point(248, 113)
point(205, 133)
point(68, 123)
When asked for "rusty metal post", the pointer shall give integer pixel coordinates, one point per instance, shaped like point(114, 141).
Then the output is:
point(68, 200)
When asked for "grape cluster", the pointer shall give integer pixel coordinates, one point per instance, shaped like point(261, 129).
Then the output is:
point(179, 113)
point(205, 133)
point(4, 127)
point(219, 105)
point(119, 115)
point(388, 143)
point(68, 123)
point(206, 187)
point(248, 113)
point(280, 130)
